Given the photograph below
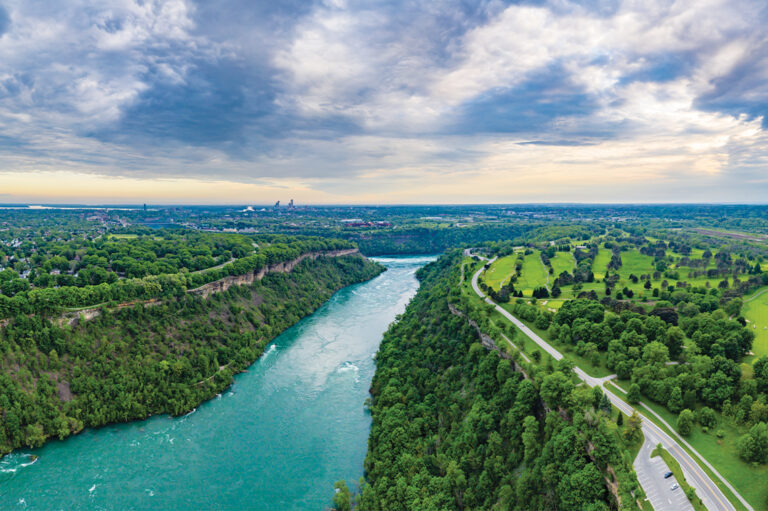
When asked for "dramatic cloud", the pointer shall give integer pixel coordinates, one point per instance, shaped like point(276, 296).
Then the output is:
point(345, 100)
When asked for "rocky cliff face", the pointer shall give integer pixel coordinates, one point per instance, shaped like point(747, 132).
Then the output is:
point(217, 286)
point(220, 285)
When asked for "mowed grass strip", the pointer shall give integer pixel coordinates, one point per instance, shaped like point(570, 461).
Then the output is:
point(756, 312)
point(600, 264)
point(534, 274)
point(635, 263)
point(500, 271)
point(563, 261)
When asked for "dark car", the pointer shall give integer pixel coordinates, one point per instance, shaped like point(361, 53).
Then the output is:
point(667, 475)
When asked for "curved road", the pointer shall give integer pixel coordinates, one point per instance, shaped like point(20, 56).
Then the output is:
point(710, 494)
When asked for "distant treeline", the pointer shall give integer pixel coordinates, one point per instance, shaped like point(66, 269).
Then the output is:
point(276, 249)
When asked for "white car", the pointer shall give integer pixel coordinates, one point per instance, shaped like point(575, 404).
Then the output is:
point(674, 487)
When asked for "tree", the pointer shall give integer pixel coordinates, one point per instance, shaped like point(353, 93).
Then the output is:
point(633, 396)
point(761, 373)
point(605, 404)
point(675, 402)
point(733, 307)
point(342, 499)
point(707, 417)
point(674, 341)
point(572, 309)
point(655, 353)
point(530, 437)
point(620, 419)
point(685, 422)
point(457, 481)
point(753, 446)
point(556, 389)
point(633, 431)
point(597, 396)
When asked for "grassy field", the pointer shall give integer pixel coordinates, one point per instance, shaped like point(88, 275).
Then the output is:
point(600, 264)
point(500, 271)
point(633, 262)
point(563, 261)
point(534, 274)
point(756, 311)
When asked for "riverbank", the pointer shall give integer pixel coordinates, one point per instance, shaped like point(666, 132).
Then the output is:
point(141, 361)
point(277, 439)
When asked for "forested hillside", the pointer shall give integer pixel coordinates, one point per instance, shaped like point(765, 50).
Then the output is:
point(17, 296)
point(133, 362)
point(455, 426)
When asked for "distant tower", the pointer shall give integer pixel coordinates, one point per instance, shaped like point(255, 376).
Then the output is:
point(277, 204)
point(145, 207)
point(290, 204)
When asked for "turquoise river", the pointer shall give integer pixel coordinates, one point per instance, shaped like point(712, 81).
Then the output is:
point(289, 427)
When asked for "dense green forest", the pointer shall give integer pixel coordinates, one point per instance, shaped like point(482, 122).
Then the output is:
point(456, 426)
point(242, 255)
point(56, 379)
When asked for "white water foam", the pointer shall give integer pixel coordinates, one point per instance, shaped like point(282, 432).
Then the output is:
point(13, 462)
point(347, 367)
point(272, 348)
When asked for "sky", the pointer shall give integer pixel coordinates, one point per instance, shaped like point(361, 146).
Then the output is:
point(343, 101)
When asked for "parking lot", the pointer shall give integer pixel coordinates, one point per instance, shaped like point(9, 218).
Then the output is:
point(650, 474)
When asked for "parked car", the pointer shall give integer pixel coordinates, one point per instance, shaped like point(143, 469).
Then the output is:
point(675, 487)
point(667, 475)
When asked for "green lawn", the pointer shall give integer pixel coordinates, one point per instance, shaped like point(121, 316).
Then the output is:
point(500, 271)
point(633, 262)
point(534, 274)
point(756, 311)
point(600, 264)
point(563, 261)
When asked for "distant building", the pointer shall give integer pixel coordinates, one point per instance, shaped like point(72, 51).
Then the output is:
point(290, 204)
point(277, 204)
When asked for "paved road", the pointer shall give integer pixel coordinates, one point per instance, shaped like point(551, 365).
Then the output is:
point(710, 494)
